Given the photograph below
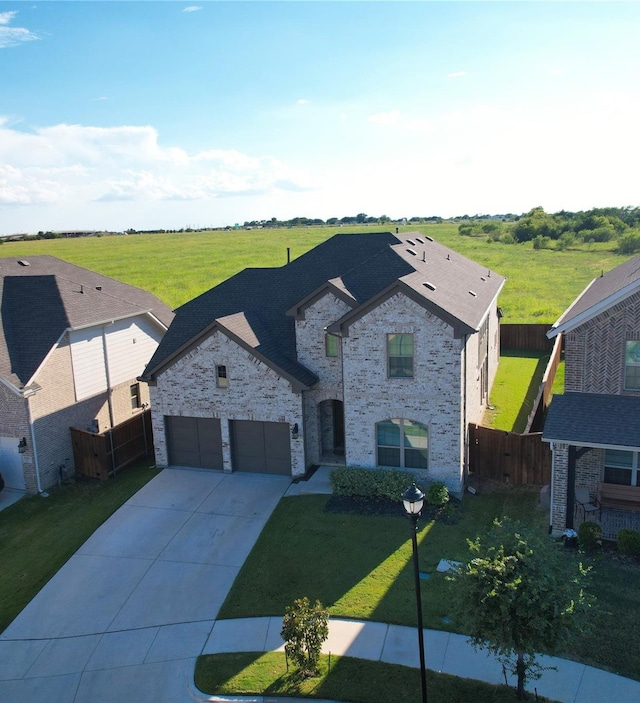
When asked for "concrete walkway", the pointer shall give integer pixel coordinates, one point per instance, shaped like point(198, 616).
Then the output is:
point(125, 619)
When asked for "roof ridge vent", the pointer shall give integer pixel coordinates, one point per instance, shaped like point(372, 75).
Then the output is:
point(429, 239)
point(428, 285)
point(410, 241)
point(413, 253)
point(473, 293)
point(421, 241)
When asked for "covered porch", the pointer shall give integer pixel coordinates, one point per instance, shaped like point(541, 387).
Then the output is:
point(595, 444)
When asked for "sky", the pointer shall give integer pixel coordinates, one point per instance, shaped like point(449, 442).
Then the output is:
point(144, 115)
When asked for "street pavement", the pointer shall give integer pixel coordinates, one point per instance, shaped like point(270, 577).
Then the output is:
point(126, 618)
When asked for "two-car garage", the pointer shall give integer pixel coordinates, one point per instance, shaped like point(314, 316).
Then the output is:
point(257, 447)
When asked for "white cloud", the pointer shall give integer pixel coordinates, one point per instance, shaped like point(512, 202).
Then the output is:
point(76, 165)
point(192, 8)
point(386, 118)
point(457, 74)
point(303, 101)
point(12, 36)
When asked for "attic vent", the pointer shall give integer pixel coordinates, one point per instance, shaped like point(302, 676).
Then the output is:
point(419, 240)
point(410, 241)
point(429, 239)
point(428, 285)
point(472, 293)
point(23, 262)
point(482, 278)
point(410, 251)
point(98, 287)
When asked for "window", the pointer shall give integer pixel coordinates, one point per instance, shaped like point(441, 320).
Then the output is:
point(632, 366)
point(621, 467)
point(221, 377)
point(134, 392)
point(402, 444)
point(331, 344)
point(400, 355)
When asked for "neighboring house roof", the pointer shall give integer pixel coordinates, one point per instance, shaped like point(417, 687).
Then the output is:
point(600, 295)
point(594, 420)
point(42, 296)
point(259, 306)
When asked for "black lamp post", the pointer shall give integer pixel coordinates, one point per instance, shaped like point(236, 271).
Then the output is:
point(413, 500)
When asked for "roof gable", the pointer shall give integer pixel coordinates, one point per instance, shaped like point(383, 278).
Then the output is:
point(600, 295)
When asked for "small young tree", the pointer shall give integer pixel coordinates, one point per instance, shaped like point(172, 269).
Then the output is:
point(304, 628)
point(518, 596)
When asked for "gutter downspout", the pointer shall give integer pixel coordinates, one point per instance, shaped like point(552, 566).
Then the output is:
point(109, 390)
point(34, 444)
point(465, 429)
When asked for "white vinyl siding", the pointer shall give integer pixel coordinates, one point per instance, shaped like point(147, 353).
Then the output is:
point(130, 345)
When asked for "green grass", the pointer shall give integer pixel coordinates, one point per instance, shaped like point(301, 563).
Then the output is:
point(348, 679)
point(515, 389)
point(359, 566)
point(177, 267)
point(38, 535)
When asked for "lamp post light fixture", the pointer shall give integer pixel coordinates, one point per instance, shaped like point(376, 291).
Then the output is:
point(413, 500)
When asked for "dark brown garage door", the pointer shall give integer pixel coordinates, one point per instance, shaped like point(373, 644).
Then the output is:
point(194, 441)
point(261, 447)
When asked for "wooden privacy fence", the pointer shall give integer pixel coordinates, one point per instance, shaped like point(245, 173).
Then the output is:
point(103, 455)
point(508, 457)
point(525, 336)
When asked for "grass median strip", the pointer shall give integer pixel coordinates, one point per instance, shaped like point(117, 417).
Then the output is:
point(348, 679)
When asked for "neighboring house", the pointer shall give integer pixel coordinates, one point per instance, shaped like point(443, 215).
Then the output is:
point(370, 350)
point(593, 428)
point(72, 344)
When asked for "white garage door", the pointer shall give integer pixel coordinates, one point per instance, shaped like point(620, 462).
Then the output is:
point(11, 463)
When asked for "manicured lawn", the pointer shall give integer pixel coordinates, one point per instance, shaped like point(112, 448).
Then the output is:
point(359, 566)
point(38, 535)
point(355, 680)
point(540, 285)
point(514, 391)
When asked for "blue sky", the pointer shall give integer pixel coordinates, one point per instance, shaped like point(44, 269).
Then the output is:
point(175, 114)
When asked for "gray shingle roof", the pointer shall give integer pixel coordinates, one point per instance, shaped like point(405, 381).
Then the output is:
point(592, 419)
point(608, 287)
point(39, 301)
point(360, 265)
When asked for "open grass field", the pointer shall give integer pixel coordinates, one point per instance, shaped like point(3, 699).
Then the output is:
point(178, 267)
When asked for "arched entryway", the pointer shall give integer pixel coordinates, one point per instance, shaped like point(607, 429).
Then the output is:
point(331, 422)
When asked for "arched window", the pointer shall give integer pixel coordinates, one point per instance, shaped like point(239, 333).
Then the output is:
point(402, 443)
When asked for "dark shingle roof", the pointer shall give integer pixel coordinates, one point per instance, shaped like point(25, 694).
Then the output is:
point(359, 265)
point(592, 419)
point(609, 287)
point(42, 296)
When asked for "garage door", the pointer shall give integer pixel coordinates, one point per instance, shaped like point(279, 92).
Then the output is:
point(194, 441)
point(11, 463)
point(261, 447)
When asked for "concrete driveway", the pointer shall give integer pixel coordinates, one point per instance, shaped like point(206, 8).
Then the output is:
point(126, 617)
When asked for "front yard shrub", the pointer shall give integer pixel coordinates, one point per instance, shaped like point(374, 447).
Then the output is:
point(589, 536)
point(437, 494)
point(629, 542)
point(377, 484)
point(304, 629)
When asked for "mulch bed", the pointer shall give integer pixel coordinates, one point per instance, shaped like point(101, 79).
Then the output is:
point(356, 505)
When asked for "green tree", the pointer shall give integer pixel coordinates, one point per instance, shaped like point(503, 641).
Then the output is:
point(520, 595)
point(304, 628)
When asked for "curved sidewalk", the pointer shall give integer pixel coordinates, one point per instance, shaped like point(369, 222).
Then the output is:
point(445, 652)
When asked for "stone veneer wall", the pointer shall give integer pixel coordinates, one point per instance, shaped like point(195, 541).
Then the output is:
point(310, 347)
point(594, 352)
point(255, 392)
point(431, 397)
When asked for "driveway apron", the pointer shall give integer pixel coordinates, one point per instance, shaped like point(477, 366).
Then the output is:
point(125, 618)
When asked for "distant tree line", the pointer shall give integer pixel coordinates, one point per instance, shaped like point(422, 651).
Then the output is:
point(563, 229)
point(360, 219)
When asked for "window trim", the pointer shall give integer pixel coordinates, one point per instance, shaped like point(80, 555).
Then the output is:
point(402, 447)
point(222, 378)
point(631, 364)
point(390, 337)
point(329, 352)
point(134, 395)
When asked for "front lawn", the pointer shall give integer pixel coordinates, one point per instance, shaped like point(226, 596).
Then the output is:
point(38, 535)
point(348, 679)
point(359, 566)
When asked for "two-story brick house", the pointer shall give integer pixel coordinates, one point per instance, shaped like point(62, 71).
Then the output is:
point(72, 344)
point(371, 350)
point(593, 428)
